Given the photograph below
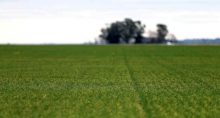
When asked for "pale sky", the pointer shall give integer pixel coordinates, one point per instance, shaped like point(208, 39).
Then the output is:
point(79, 21)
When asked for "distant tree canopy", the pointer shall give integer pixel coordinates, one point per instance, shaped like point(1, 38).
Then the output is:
point(162, 32)
point(129, 31)
point(123, 31)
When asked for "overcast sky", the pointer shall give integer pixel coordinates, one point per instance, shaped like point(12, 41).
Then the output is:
point(78, 21)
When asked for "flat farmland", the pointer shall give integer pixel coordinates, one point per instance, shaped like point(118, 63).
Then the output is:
point(143, 81)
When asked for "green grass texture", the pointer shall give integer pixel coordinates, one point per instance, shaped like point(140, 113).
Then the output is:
point(115, 81)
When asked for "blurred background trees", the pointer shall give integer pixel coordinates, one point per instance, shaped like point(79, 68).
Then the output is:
point(130, 31)
point(127, 31)
point(162, 32)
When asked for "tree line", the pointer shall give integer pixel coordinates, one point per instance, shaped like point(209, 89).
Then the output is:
point(130, 31)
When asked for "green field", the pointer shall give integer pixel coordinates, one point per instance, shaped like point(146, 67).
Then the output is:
point(110, 81)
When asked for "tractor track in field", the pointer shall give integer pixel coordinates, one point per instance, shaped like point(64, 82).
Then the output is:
point(143, 101)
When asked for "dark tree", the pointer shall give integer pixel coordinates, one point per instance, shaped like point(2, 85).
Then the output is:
point(140, 31)
point(123, 31)
point(162, 32)
point(112, 34)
